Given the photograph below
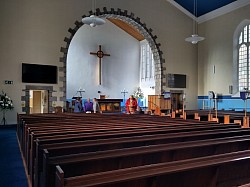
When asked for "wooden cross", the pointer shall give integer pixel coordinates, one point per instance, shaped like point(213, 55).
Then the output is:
point(100, 54)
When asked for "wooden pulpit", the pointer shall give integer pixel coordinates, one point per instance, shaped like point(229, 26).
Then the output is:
point(158, 104)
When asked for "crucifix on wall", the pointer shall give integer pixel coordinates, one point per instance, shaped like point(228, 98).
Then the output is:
point(100, 54)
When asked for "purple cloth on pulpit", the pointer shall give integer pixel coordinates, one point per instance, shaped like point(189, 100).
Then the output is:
point(88, 106)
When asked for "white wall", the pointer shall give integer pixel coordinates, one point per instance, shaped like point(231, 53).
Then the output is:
point(34, 32)
point(217, 51)
point(119, 70)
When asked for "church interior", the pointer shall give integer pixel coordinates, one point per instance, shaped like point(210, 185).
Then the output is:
point(186, 62)
point(53, 34)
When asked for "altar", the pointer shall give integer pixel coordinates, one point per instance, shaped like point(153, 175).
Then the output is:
point(110, 105)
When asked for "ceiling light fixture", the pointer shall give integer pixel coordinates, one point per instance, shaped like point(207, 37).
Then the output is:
point(93, 20)
point(195, 38)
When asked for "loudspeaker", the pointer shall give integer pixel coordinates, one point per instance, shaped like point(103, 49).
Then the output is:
point(231, 89)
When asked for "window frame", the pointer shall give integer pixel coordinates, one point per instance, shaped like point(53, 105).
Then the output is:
point(239, 61)
point(146, 62)
point(244, 58)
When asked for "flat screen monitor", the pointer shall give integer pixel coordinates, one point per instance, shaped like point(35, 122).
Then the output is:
point(36, 73)
point(176, 81)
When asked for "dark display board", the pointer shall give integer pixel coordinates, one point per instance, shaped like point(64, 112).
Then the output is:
point(36, 73)
point(176, 81)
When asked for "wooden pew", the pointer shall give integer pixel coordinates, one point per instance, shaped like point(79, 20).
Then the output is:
point(31, 157)
point(107, 144)
point(59, 132)
point(102, 135)
point(100, 161)
point(109, 134)
point(209, 170)
point(62, 130)
point(222, 116)
point(56, 121)
point(54, 125)
point(34, 119)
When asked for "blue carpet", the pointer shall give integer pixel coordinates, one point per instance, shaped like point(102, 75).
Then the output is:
point(11, 166)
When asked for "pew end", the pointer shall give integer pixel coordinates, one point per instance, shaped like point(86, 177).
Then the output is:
point(237, 122)
point(210, 117)
point(173, 114)
point(196, 116)
point(184, 115)
point(226, 119)
point(215, 120)
point(43, 175)
point(59, 178)
point(246, 122)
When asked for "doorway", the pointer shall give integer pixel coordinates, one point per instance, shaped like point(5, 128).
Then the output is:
point(39, 101)
point(177, 100)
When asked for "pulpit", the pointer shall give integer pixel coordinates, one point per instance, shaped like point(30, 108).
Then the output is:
point(158, 104)
point(110, 105)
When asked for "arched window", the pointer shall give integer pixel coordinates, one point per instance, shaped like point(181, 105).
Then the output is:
point(146, 62)
point(243, 57)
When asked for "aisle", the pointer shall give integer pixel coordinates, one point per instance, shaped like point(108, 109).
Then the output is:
point(11, 166)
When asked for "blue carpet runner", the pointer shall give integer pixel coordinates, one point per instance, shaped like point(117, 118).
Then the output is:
point(12, 173)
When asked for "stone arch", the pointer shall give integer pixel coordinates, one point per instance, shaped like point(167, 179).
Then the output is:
point(160, 79)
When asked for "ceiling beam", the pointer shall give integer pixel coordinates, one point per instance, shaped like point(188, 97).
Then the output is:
point(127, 28)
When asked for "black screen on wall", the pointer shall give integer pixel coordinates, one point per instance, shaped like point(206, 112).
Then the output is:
point(176, 81)
point(36, 73)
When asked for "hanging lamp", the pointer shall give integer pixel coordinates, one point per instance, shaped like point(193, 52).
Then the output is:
point(195, 38)
point(93, 20)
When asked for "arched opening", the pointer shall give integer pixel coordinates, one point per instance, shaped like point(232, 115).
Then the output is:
point(160, 81)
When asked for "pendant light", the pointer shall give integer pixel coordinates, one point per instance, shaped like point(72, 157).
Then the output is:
point(194, 38)
point(93, 20)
